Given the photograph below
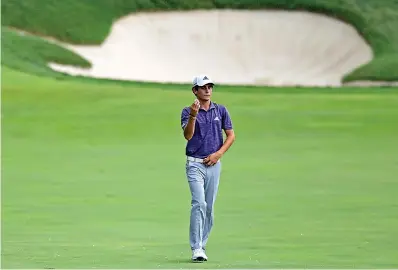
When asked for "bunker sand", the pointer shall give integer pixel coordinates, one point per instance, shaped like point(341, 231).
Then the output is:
point(276, 48)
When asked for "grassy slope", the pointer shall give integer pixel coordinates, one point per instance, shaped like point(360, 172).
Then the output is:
point(31, 54)
point(311, 181)
point(90, 23)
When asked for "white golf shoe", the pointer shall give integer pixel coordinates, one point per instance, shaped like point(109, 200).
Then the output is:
point(198, 255)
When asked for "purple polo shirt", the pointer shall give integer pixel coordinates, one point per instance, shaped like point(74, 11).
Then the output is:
point(208, 135)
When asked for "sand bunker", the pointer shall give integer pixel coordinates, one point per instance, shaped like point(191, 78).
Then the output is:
point(233, 46)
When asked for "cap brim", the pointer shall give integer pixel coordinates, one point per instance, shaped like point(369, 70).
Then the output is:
point(207, 82)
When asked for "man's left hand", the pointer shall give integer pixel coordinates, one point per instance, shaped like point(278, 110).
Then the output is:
point(212, 159)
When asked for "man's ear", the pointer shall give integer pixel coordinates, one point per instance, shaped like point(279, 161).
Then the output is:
point(194, 90)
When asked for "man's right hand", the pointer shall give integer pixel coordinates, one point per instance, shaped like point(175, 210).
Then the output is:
point(195, 107)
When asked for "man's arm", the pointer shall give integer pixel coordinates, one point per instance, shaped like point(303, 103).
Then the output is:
point(228, 141)
point(189, 129)
point(188, 119)
point(228, 129)
point(213, 158)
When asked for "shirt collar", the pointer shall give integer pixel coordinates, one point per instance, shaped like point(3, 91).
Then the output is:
point(212, 106)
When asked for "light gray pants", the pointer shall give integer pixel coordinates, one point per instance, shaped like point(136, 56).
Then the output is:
point(203, 182)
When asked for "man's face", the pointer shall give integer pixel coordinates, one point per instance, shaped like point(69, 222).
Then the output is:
point(204, 92)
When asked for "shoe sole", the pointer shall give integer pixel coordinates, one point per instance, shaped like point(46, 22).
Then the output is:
point(199, 259)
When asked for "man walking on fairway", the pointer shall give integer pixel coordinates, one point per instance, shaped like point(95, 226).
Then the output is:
point(202, 124)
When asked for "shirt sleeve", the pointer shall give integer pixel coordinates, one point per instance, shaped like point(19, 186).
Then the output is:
point(184, 117)
point(226, 120)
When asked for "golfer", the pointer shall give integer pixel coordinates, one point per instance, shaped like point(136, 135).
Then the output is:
point(203, 123)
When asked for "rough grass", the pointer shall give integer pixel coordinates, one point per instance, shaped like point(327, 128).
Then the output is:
point(31, 54)
point(88, 22)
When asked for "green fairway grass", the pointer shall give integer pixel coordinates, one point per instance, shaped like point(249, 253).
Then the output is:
point(93, 176)
point(89, 22)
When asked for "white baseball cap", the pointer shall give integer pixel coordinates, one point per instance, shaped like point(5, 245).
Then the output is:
point(201, 80)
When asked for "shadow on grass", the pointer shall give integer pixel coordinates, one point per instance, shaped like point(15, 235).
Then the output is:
point(178, 261)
